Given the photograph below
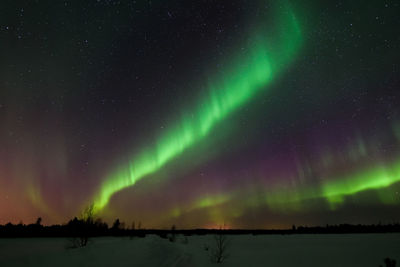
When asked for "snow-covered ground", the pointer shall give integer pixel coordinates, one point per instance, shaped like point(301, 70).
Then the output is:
point(264, 250)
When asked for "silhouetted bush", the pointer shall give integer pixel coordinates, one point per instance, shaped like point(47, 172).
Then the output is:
point(389, 262)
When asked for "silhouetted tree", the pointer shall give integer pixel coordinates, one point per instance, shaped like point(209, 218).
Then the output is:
point(219, 252)
point(115, 229)
point(87, 225)
point(116, 224)
point(83, 227)
point(39, 221)
point(88, 214)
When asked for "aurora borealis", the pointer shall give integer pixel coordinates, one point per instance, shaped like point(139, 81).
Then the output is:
point(248, 77)
point(256, 115)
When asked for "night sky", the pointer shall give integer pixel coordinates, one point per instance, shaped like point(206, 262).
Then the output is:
point(256, 114)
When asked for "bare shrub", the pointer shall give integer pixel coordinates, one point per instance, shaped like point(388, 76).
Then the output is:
point(87, 217)
point(218, 253)
point(83, 228)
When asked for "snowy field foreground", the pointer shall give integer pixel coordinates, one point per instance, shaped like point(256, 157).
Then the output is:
point(263, 250)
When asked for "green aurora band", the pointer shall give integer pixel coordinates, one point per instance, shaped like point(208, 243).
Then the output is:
point(266, 56)
point(295, 197)
point(334, 189)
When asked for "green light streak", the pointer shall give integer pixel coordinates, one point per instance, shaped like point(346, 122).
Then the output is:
point(333, 189)
point(380, 176)
point(209, 201)
point(294, 198)
point(265, 58)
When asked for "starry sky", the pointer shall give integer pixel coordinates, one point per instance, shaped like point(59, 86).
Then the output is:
point(256, 114)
